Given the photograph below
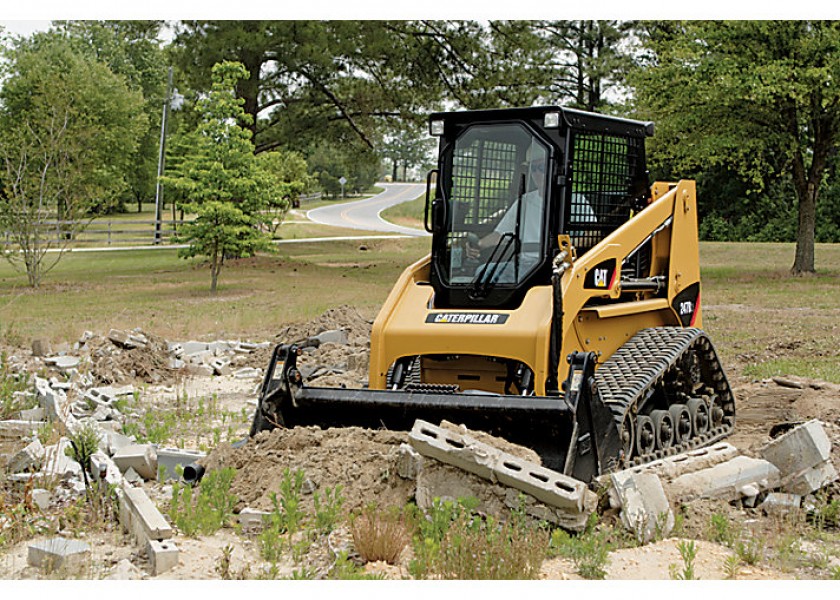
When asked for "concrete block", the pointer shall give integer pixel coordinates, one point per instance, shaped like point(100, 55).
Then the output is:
point(58, 464)
point(42, 498)
point(812, 480)
point(194, 347)
point(41, 347)
point(725, 481)
point(99, 397)
point(15, 428)
point(780, 504)
point(103, 468)
point(645, 509)
point(465, 452)
point(332, 336)
point(140, 517)
point(248, 373)
point(114, 441)
point(798, 451)
point(29, 458)
point(131, 476)
point(409, 462)
point(121, 338)
point(176, 363)
point(163, 556)
point(252, 520)
point(53, 401)
point(176, 350)
point(33, 414)
point(169, 458)
point(220, 366)
point(141, 457)
point(57, 553)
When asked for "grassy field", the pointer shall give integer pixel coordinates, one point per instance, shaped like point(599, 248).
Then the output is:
point(763, 321)
point(407, 214)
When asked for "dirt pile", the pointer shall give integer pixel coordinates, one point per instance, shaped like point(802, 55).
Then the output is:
point(112, 362)
point(362, 461)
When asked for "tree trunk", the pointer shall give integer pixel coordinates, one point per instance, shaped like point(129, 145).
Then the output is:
point(394, 175)
point(803, 261)
point(214, 271)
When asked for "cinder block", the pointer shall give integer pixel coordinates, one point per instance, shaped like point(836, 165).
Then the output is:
point(220, 366)
point(140, 517)
point(99, 397)
point(163, 556)
point(248, 373)
point(169, 458)
point(802, 448)
point(725, 481)
point(645, 508)
point(176, 350)
point(672, 467)
point(465, 452)
point(140, 457)
point(56, 553)
point(103, 468)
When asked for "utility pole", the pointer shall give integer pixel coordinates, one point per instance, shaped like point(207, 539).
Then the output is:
point(159, 185)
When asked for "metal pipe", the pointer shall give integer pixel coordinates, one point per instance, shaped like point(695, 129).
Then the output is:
point(193, 473)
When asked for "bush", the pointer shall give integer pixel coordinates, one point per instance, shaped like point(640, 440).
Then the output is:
point(380, 535)
point(209, 509)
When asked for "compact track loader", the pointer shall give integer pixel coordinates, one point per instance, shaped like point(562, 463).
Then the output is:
point(559, 307)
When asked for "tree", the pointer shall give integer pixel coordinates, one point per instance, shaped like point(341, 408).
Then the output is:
point(225, 185)
point(130, 49)
point(67, 124)
point(762, 97)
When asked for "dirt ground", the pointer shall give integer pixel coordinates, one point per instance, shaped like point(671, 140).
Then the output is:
point(363, 463)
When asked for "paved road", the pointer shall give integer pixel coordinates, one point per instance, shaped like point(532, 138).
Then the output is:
point(364, 214)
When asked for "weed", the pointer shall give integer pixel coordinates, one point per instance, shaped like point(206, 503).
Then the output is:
point(285, 518)
point(834, 573)
point(380, 535)
point(10, 383)
point(732, 566)
point(455, 542)
point(290, 487)
point(223, 568)
point(788, 552)
point(589, 551)
point(209, 509)
point(688, 552)
point(722, 530)
point(302, 574)
point(84, 443)
point(826, 513)
point(328, 509)
point(750, 551)
point(346, 569)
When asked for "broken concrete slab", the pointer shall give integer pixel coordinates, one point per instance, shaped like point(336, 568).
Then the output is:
point(729, 480)
point(803, 457)
point(57, 553)
point(103, 468)
point(140, 517)
point(33, 414)
point(63, 363)
point(645, 509)
point(170, 458)
point(163, 556)
point(252, 520)
point(193, 347)
point(465, 452)
point(780, 504)
point(248, 373)
point(141, 457)
point(42, 498)
point(15, 428)
point(125, 571)
point(58, 464)
point(409, 462)
point(30, 458)
point(121, 338)
point(332, 336)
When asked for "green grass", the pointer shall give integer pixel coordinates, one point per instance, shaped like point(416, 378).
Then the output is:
point(763, 321)
point(408, 214)
point(157, 291)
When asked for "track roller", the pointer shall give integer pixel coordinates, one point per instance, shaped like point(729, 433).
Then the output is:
point(664, 428)
point(645, 435)
point(699, 411)
point(681, 419)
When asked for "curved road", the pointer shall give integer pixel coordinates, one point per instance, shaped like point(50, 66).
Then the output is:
point(364, 214)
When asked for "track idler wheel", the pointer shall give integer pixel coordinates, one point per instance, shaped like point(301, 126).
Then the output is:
point(645, 435)
point(664, 427)
point(681, 419)
point(628, 437)
point(700, 418)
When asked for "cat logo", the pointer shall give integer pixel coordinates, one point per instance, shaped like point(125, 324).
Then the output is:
point(686, 308)
point(601, 277)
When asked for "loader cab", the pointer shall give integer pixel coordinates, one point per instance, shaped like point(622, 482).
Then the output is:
point(509, 181)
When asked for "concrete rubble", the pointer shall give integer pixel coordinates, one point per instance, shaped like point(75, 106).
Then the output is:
point(803, 457)
point(58, 553)
point(551, 488)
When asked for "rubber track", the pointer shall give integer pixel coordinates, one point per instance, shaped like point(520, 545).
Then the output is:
point(630, 375)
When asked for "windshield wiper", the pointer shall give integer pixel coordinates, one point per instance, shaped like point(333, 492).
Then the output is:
point(484, 281)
